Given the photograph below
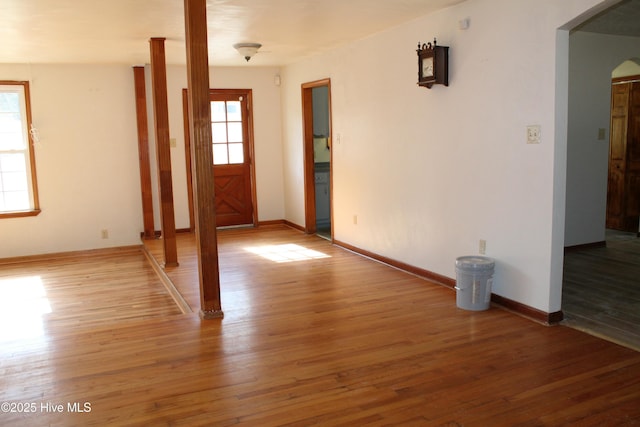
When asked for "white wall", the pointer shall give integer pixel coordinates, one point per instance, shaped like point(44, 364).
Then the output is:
point(592, 59)
point(87, 159)
point(630, 67)
point(431, 172)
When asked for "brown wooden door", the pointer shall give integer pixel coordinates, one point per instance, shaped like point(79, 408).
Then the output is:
point(623, 193)
point(633, 163)
point(232, 142)
point(617, 155)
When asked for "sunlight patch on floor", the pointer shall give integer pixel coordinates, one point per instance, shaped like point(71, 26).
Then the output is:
point(286, 253)
point(23, 303)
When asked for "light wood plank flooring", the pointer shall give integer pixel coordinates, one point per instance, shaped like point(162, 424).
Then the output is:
point(329, 338)
point(601, 290)
point(83, 290)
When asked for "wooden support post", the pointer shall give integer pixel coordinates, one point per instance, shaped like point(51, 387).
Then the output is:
point(163, 150)
point(195, 12)
point(143, 152)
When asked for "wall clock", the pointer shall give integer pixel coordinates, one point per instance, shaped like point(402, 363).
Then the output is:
point(433, 64)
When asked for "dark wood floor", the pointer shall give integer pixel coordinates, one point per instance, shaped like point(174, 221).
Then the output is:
point(312, 335)
point(601, 290)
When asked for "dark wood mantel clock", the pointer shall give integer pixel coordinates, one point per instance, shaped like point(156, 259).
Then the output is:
point(433, 64)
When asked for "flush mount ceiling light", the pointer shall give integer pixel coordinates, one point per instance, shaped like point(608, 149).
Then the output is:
point(247, 49)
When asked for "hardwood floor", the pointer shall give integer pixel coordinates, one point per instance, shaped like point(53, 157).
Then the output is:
point(84, 290)
point(327, 338)
point(601, 290)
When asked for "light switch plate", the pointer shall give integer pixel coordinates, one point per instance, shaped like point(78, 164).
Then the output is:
point(601, 134)
point(533, 134)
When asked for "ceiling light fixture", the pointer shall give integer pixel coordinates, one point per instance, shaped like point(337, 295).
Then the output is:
point(247, 49)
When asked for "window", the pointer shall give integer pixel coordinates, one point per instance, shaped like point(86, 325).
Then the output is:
point(18, 189)
point(226, 131)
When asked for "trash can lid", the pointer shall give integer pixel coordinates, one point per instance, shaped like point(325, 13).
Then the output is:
point(475, 262)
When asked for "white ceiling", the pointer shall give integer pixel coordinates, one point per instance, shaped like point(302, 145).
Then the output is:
point(117, 31)
point(622, 19)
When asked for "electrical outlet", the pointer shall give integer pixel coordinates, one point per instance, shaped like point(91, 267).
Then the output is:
point(355, 220)
point(483, 246)
point(533, 134)
point(104, 233)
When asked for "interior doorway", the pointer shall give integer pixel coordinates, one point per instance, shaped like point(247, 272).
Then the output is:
point(601, 292)
point(316, 113)
point(600, 287)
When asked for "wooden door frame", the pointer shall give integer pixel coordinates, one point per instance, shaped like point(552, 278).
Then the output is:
point(309, 167)
point(187, 146)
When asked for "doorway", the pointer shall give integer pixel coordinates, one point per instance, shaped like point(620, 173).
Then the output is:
point(600, 286)
point(232, 141)
point(316, 113)
point(601, 292)
point(623, 191)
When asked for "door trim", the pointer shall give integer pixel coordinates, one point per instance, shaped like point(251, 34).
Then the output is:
point(309, 175)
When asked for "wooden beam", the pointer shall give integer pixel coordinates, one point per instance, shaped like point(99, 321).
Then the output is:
point(195, 12)
point(143, 152)
point(163, 149)
point(187, 149)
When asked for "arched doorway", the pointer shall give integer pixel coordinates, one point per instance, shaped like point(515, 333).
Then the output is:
point(589, 301)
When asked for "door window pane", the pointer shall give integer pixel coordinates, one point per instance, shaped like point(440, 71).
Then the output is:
point(220, 155)
point(219, 132)
point(218, 111)
point(234, 113)
point(236, 153)
point(227, 132)
point(235, 131)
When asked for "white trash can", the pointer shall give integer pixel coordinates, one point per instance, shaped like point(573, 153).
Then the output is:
point(474, 277)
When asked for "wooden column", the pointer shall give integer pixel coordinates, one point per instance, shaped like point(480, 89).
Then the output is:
point(143, 152)
point(195, 12)
point(163, 150)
